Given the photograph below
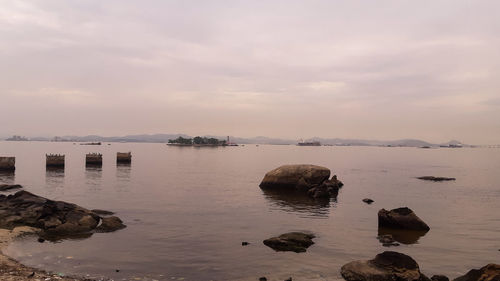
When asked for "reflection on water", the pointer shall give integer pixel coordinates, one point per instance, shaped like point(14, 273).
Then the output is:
point(402, 236)
point(188, 210)
point(298, 202)
point(7, 177)
point(54, 177)
point(93, 175)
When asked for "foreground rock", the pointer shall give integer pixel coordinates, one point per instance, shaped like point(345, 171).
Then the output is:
point(401, 218)
point(293, 241)
point(309, 179)
point(432, 178)
point(52, 217)
point(388, 265)
point(8, 187)
point(490, 272)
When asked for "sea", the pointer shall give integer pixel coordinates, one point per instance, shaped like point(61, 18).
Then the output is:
point(188, 209)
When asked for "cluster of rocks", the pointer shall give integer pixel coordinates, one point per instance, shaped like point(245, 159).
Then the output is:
point(396, 266)
point(307, 179)
point(52, 217)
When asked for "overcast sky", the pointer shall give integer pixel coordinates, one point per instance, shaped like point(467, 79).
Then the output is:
point(292, 69)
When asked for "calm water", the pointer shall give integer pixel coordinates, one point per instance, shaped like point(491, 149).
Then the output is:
point(188, 209)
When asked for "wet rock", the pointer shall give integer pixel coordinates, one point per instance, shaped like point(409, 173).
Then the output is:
point(387, 240)
point(401, 218)
point(293, 241)
point(110, 224)
point(7, 187)
point(385, 266)
point(490, 272)
point(368, 200)
point(308, 179)
point(102, 212)
point(52, 217)
point(439, 278)
point(432, 178)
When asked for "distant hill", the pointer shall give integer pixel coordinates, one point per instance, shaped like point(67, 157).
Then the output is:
point(163, 138)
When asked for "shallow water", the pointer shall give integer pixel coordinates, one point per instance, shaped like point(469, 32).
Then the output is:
point(188, 209)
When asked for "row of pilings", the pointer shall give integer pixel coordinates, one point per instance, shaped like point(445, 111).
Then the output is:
point(58, 160)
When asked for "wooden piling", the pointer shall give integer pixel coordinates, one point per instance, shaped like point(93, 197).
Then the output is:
point(123, 157)
point(93, 159)
point(54, 160)
point(7, 163)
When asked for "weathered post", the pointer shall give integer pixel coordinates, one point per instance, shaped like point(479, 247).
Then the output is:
point(7, 163)
point(93, 159)
point(54, 160)
point(124, 157)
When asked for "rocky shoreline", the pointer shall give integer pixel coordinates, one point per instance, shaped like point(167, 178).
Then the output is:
point(12, 270)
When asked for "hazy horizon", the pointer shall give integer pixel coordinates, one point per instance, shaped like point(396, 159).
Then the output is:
point(382, 70)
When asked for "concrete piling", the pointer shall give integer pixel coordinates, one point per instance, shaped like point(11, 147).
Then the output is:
point(54, 160)
point(7, 163)
point(93, 159)
point(123, 157)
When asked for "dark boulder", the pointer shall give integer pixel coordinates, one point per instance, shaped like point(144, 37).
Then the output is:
point(293, 241)
point(110, 224)
point(308, 179)
point(8, 187)
point(401, 218)
point(490, 272)
point(52, 217)
point(439, 278)
point(432, 178)
point(388, 265)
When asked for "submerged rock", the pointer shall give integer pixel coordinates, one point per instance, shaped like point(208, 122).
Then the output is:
point(102, 212)
point(387, 240)
point(401, 218)
point(308, 179)
point(7, 187)
point(368, 200)
point(53, 217)
point(388, 265)
point(490, 272)
point(293, 241)
point(110, 224)
point(432, 178)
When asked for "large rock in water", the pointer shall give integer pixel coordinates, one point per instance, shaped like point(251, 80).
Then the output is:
point(490, 272)
point(53, 217)
point(388, 265)
point(401, 218)
point(309, 179)
point(293, 241)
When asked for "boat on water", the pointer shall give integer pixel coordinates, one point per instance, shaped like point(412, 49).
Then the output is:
point(309, 143)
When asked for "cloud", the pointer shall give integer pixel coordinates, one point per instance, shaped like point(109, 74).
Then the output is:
point(278, 66)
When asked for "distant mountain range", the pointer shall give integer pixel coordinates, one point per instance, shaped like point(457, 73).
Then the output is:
point(163, 138)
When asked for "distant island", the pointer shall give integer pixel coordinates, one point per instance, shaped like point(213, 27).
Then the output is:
point(197, 141)
point(212, 140)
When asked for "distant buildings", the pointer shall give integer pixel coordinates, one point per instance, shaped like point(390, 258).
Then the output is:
point(17, 138)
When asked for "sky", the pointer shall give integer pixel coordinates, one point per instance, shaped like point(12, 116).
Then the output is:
point(291, 69)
